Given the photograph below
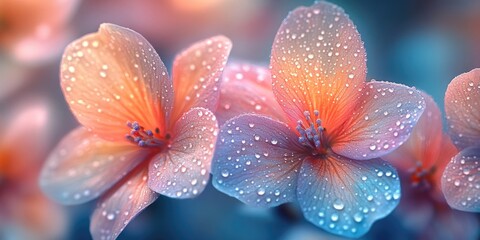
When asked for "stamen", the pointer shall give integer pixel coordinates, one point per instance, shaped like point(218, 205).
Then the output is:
point(141, 137)
point(313, 135)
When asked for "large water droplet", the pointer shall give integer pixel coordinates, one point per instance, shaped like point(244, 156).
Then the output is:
point(338, 204)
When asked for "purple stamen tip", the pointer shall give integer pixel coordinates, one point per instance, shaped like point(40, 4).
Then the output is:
point(149, 133)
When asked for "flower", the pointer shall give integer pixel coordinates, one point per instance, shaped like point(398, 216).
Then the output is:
point(247, 88)
point(143, 134)
point(25, 213)
point(31, 31)
point(420, 162)
point(461, 178)
point(326, 156)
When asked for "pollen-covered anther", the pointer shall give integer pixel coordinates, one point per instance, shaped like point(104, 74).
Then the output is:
point(141, 137)
point(312, 135)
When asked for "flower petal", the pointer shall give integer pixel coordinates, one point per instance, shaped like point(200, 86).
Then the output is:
point(257, 161)
point(462, 106)
point(83, 166)
point(183, 170)
point(318, 62)
point(381, 122)
point(196, 75)
point(461, 180)
point(121, 204)
point(247, 88)
point(345, 196)
point(114, 76)
point(427, 147)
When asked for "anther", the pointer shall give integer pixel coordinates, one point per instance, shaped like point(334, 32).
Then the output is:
point(141, 137)
point(311, 133)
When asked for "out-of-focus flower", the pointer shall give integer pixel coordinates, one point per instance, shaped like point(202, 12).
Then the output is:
point(178, 22)
point(247, 88)
point(420, 162)
point(33, 31)
point(141, 135)
point(461, 179)
point(327, 156)
point(24, 212)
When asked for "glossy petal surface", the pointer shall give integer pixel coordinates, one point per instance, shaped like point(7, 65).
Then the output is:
point(461, 180)
point(381, 122)
point(196, 74)
point(462, 106)
point(345, 196)
point(182, 171)
point(247, 88)
point(427, 147)
point(121, 204)
point(114, 76)
point(257, 161)
point(83, 166)
point(318, 62)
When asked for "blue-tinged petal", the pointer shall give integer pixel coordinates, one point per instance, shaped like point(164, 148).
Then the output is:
point(257, 161)
point(345, 196)
point(461, 180)
point(121, 204)
point(382, 121)
point(182, 171)
point(83, 166)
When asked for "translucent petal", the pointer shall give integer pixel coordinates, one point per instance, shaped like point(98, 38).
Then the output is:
point(461, 180)
point(381, 122)
point(83, 166)
point(182, 171)
point(318, 62)
point(462, 106)
point(345, 196)
point(257, 161)
point(247, 88)
point(196, 75)
point(427, 147)
point(121, 204)
point(114, 76)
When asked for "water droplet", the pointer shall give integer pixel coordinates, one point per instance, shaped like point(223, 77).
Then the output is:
point(225, 173)
point(274, 142)
point(357, 217)
point(338, 204)
point(334, 217)
point(261, 191)
point(110, 216)
point(373, 147)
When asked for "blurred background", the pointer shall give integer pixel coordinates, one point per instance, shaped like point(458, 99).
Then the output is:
point(419, 43)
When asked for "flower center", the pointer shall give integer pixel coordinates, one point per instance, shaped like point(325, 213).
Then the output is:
point(313, 135)
point(145, 138)
point(422, 178)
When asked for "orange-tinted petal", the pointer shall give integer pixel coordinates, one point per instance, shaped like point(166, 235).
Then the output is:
point(183, 170)
point(382, 120)
point(196, 75)
point(83, 166)
point(121, 204)
point(247, 88)
point(462, 106)
point(114, 76)
point(427, 147)
point(424, 144)
point(318, 63)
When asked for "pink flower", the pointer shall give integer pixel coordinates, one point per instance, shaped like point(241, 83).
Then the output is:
point(143, 133)
point(461, 179)
point(326, 154)
point(25, 213)
point(420, 162)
